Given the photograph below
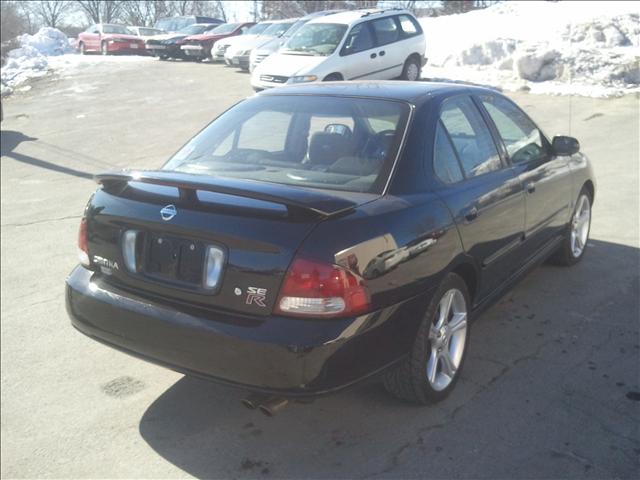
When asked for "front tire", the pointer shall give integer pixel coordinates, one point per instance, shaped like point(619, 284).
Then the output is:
point(411, 70)
point(433, 367)
point(334, 77)
point(575, 241)
point(83, 50)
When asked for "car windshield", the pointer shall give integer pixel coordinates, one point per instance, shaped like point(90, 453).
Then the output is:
point(224, 28)
point(316, 39)
point(258, 28)
point(277, 29)
point(294, 28)
point(173, 24)
point(335, 143)
point(118, 29)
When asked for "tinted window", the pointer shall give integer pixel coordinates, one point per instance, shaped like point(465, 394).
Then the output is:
point(385, 30)
point(408, 25)
point(470, 136)
point(520, 135)
point(289, 140)
point(359, 39)
point(445, 162)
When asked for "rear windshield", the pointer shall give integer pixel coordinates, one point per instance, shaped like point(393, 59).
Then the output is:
point(147, 32)
point(330, 142)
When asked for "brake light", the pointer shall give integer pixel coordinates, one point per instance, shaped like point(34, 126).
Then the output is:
point(314, 289)
point(83, 244)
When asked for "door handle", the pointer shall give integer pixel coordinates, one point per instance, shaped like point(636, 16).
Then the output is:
point(382, 52)
point(531, 187)
point(373, 55)
point(471, 214)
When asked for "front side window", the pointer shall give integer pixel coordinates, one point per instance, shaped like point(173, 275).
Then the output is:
point(358, 40)
point(319, 142)
point(521, 137)
point(385, 30)
point(445, 161)
point(470, 136)
point(316, 39)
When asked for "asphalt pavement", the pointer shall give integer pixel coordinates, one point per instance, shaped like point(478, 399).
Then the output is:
point(551, 385)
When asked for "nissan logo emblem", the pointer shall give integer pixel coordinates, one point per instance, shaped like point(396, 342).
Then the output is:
point(168, 212)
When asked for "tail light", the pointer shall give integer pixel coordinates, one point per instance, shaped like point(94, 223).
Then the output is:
point(313, 289)
point(83, 247)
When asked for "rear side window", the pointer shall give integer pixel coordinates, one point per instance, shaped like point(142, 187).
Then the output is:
point(409, 26)
point(470, 136)
point(358, 40)
point(445, 162)
point(385, 30)
point(520, 135)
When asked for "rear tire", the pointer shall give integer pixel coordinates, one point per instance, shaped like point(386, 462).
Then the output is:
point(433, 367)
point(104, 49)
point(82, 48)
point(576, 238)
point(411, 70)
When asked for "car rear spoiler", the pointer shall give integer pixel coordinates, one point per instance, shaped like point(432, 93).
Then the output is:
point(315, 201)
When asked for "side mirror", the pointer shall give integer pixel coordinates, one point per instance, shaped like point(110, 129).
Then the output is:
point(562, 145)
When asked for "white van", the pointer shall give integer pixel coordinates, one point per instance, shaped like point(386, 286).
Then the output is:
point(360, 44)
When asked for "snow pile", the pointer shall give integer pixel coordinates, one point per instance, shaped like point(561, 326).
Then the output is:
point(585, 48)
point(30, 60)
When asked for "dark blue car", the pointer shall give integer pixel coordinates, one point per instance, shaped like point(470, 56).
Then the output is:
point(312, 236)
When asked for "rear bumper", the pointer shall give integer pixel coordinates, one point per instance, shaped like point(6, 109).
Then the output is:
point(195, 51)
point(278, 355)
point(121, 47)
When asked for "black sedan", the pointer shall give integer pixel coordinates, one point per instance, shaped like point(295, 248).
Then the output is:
point(312, 236)
point(168, 46)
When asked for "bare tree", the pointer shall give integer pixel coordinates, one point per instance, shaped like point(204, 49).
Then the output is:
point(145, 12)
point(50, 12)
point(101, 11)
point(12, 22)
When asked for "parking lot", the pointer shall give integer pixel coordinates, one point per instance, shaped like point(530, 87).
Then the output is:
point(551, 383)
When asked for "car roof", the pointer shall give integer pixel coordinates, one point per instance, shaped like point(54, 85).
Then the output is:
point(285, 20)
point(412, 92)
point(350, 16)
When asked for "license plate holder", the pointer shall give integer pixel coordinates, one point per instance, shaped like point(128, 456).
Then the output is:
point(173, 259)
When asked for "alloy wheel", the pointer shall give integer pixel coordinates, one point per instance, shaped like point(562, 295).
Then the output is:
point(447, 337)
point(580, 226)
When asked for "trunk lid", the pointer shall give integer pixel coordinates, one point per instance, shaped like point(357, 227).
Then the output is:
point(176, 217)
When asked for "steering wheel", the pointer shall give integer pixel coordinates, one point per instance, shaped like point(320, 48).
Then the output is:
point(377, 146)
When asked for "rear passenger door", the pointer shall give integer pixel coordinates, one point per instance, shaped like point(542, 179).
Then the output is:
point(390, 51)
point(485, 198)
point(545, 177)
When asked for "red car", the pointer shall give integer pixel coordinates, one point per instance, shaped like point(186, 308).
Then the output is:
point(106, 39)
point(199, 47)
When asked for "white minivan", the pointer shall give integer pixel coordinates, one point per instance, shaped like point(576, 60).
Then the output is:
point(359, 44)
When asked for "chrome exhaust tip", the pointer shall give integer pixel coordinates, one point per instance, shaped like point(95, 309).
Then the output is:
point(272, 406)
point(253, 401)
